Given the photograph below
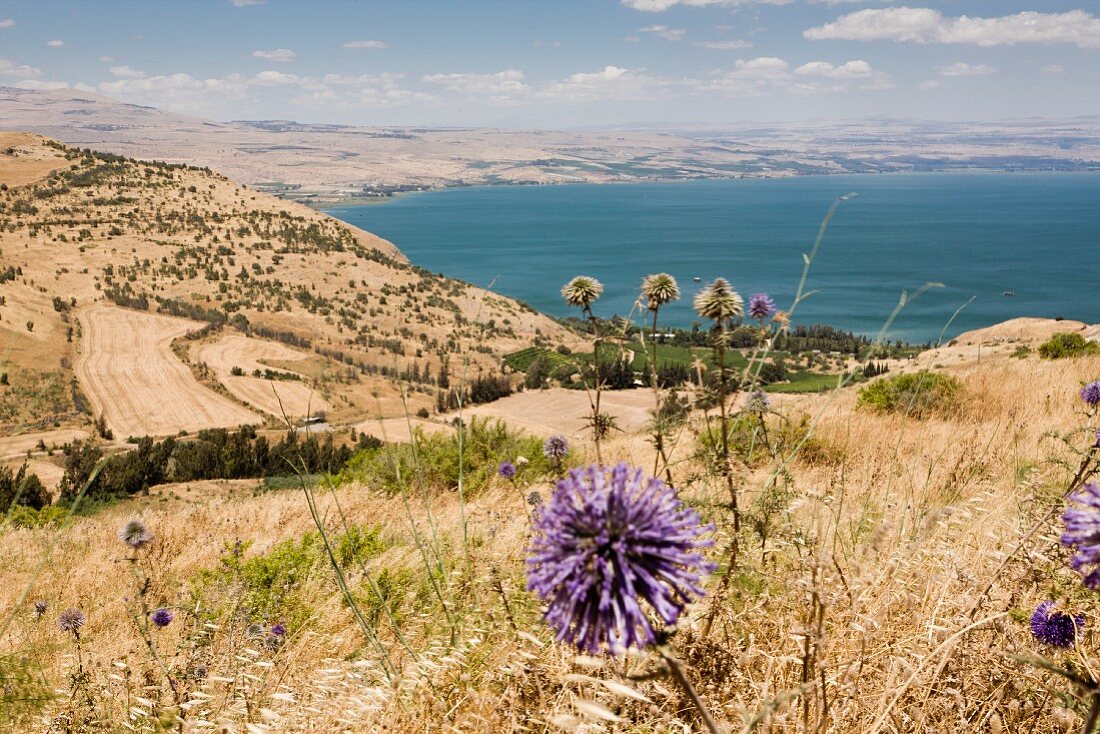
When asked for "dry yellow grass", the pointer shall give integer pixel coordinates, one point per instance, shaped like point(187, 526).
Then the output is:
point(132, 377)
point(884, 596)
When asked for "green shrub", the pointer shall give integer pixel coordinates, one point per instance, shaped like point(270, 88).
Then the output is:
point(1061, 346)
point(919, 394)
point(272, 587)
point(433, 459)
point(22, 516)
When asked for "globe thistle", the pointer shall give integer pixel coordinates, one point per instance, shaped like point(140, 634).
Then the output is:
point(507, 470)
point(135, 534)
point(1054, 628)
point(278, 630)
point(607, 540)
point(534, 498)
point(71, 620)
point(1082, 533)
point(582, 291)
point(761, 306)
point(719, 302)
point(40, 608)
point(162, 617)
point(659, 289)
point(1090, 393)
point(556, 448)
point(757, 402)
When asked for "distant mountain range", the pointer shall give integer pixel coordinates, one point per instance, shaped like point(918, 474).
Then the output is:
point(318, 163)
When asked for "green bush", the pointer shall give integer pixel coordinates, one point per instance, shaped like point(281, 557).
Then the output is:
point(919, 394)
point(22, 516)
point(272, 587)
point(1061, 346)
point(433, 459)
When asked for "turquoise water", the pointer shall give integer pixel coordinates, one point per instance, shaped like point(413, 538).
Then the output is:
point(979, 234)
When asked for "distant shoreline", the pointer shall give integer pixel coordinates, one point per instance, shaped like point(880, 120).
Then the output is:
point(339, 202)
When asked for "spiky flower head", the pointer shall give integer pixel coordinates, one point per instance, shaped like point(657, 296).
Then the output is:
point(556, 448)
point(761, 306)
point(1082, 533)
point(757, 401)
point(71, 620)
point(162, 617)
point(659, 289)
point(135, 534)
point(507, 470)
point(40, 608)
point(582, 291)
point(606, 541)
point(278, 629)
point(719, 302)
point(534, 498)
point(1054, 628)
point(1090, 393)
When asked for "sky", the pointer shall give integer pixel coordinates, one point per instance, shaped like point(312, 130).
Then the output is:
point(565, 63)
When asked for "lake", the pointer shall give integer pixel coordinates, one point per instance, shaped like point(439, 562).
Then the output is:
point(979, 234)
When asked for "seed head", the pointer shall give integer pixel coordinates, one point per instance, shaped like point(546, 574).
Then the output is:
point(40, 608)
point(556, 448)
point(659, 289)
point(135, 534)
point(71, 620)
point(719, 302)
point(582, 291)
point(1090, 393)
point(757, 402)
point(606, 541)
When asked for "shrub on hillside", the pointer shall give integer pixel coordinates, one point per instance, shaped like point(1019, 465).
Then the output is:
point(919, 394)
point(1061, 346)
point(21, 489)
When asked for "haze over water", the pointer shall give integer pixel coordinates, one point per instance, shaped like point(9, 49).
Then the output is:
point(980, 234)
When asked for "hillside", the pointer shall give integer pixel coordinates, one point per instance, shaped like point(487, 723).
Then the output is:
point(319, 163)
point(165, 297)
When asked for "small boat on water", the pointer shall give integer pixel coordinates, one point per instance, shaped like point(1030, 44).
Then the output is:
point(1008, 294)
point(697, 279)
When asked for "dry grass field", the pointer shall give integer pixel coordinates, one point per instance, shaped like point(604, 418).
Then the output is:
point(277, 398)
point(884, 586)
point(133, 378)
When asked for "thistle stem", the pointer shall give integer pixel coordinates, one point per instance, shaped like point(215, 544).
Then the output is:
point(676, 670)
point(1094, 714)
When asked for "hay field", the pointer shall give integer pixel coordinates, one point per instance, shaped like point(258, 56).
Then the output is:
point(129, 372)
point(274, 397)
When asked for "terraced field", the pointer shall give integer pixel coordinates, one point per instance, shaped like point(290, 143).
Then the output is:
point(127, 369)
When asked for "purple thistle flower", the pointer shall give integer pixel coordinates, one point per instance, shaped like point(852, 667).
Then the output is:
point(278, 629)
point(1090, 393)
point(757, 401)
point(555, 448)
point(1082, 521)
point(507, 470)
point(162, 617)
point(40, 608)
point(1097, 444)
point(135, 534)
point(761, 306)
point(1054, 628)
point(71, 620)
point(607, 540)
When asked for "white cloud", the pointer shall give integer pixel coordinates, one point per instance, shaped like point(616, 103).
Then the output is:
point(7, 23)
point(658, 6)
point(769, 74)
point(125, 72)
point(1054, 69)
point(723, 45)
point(961, 68)
point(611, 82)
point(366, 44)
point(498, 86)
point(107, 59)
point(929, 85)
point(857, 69)
point(55, 43)
point(663, 31)
point(925, 25)
point(246, 3)
point(20, 71)
point(278, 54)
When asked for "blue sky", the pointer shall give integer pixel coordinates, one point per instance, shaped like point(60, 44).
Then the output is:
point(566, 63)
